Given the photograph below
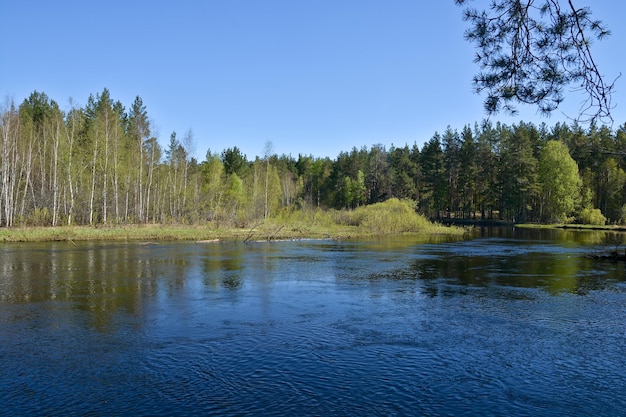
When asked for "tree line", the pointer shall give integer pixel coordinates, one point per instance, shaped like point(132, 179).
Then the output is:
point(100, 164)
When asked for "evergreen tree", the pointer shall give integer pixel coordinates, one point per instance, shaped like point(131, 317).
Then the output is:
point(487, 183)
point(452, 161)
point(138, 132)
point(234, 162)
point(468, 172)
point(377, 180)
point(529, 51)
point(403, 172)
point(519, 172)
point(433, 193)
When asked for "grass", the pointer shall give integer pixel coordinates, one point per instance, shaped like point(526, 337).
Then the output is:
point(124, 233)
point(392, 217)
point(608, 227)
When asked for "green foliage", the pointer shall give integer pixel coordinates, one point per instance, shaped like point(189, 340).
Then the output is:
point(592, 217)
point(433, 195)
point(529, 51)
point(234, 200)
point(560, 182)
point(518, 182)
point(212, 170)
point(98, 165)
point(234, 162)
point(353, 191)
point(393, 216)
point(390, 217)
point(39, 217)
point(611, 180)
point(622, 219)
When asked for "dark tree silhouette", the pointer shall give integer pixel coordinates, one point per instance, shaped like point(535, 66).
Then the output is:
point(528, 51)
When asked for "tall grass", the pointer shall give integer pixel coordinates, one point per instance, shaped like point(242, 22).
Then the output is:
point(393, 216)
point(390, 217)
point(113, 233)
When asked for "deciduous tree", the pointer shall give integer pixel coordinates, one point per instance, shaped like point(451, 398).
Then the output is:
point(560, 182)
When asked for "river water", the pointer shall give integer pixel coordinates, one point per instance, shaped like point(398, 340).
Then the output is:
point(509, 322)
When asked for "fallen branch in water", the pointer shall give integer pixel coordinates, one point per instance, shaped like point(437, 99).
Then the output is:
point(251, 233)
point(273, 236)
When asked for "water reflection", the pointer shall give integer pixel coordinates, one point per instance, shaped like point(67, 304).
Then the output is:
point(505, 263)
point(224, 267)
point(104, 276)
point(500, 324)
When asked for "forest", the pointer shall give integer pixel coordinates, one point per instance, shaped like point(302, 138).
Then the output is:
point(101, 165)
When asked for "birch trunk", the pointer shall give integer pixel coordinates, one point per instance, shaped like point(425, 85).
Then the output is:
point(55, 174)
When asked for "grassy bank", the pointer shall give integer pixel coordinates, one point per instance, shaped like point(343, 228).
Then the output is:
point(607, 228)
point(388, 218)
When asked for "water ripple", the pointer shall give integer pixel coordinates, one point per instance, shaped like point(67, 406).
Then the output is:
point(492, 326)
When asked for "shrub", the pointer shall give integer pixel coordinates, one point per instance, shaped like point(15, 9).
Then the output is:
point(391, 216)
point(593, 217)
point(39, 217)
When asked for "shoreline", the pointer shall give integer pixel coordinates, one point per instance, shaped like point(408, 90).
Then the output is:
point(582, 227)
point(201, 234)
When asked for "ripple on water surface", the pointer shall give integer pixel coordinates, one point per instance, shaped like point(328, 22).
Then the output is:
point(483, 327)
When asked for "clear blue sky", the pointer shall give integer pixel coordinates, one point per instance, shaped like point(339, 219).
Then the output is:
point(310, 76)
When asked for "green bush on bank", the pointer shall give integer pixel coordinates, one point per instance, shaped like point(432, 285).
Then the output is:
point(592, 216)
point(391, 217)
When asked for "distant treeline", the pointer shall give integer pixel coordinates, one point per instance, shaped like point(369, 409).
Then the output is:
point(100, 164)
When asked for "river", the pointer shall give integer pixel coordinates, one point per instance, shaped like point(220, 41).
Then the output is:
point(509, 322)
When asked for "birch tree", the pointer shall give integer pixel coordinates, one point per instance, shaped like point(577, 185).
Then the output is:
point(9, 131)
point(139, 131)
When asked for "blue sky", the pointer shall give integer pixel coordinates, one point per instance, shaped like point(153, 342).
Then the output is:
point(313, 77)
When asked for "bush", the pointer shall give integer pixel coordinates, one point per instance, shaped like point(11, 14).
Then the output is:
point(39, 217)
point(593, 217)
point(622, 219)
point(393, 216)
point(389, 217)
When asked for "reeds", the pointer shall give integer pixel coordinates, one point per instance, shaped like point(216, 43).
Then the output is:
point(390, 217)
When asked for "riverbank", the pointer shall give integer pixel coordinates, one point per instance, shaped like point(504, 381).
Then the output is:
point(162, 232)
point(393, 217)
point(499, 223)
point(608, 228)
point(205, 234)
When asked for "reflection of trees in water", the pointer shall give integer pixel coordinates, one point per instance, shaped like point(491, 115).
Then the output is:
point(612, 246)
point(451, 275)
point(103, 278)
point(223, 266)
point(93, 277)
